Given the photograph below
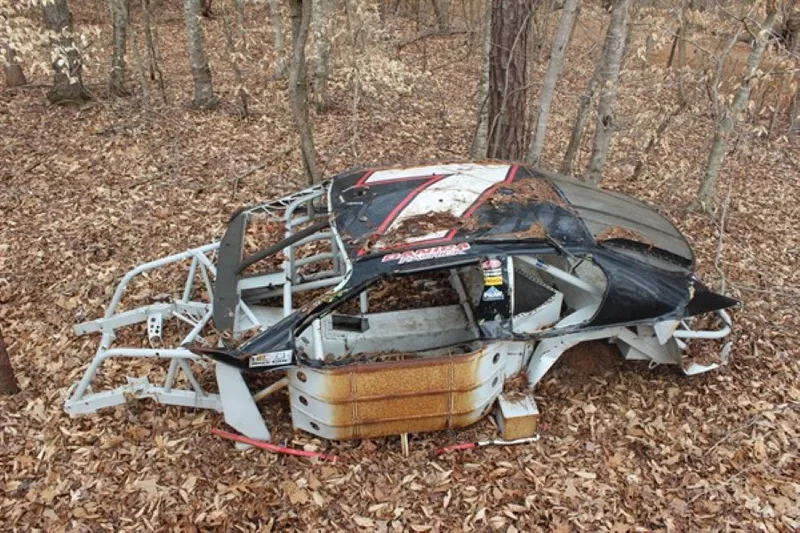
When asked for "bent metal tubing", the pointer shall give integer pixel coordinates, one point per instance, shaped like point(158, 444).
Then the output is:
point(707, 334)
point(188, 254)
point(176, 353)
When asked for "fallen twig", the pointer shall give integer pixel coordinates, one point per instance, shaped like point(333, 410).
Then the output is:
point(752, 421)
point(258, 167)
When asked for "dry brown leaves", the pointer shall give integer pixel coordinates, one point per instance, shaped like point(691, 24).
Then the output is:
point(616, 232)
point(87, 193)
point(526, 191)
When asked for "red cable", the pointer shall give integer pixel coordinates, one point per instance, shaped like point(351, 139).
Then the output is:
point(455, 447)
point(272, 447)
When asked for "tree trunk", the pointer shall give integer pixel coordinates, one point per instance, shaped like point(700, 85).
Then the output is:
point(792, 29)
point(440, 11)
point(15, 77)
point(120, 19)
point(480, 140)
point(508, 79)
point(613, 52)
point(233, 61)
point(8, 382)
point(67, 69)
point(684, 22)
point(551, 78)
point(277, 31)
point(726, 124)
point(204, 97)
point(324, 10)
point(298, 86)
point(580, 122)
point(139, 67)
point(239, 5)
point(150, 38)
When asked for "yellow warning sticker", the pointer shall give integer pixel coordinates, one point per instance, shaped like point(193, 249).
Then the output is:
point(493, 280)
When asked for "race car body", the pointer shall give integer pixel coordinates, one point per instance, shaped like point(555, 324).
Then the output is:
point(401, 299)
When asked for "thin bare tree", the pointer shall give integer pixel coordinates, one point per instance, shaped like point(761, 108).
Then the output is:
point(68, 85)
point(150, 40)
point(322, 23)
point(441, 10)
point(791, 31)
point(481, 138)
point(557, 56)
point(298, 86)
point(582, 118)
point(508, 79)
point(120, 20)
point(277, 31)
point(613, 52)
point(233, 60)
point(204, 97)
point(728, 118)
point(8, 381)
point(15, 77)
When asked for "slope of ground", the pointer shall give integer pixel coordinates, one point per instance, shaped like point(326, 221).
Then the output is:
point(87, 193)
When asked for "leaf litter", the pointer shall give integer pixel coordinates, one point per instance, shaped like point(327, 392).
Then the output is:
point(626, 449)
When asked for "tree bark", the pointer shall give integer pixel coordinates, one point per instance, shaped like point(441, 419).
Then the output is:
point(139, 67)
point(792, 29)
point(150, 38)
point(580, 122)
point(204, 97)
point(277, 31)
point(480, 140)
point(15, 77)
point(508, 79)
point(298, 86)
point(120, 19)
point(322, 23)
point(613, 52)
point(8, 381)
point(440, 11)
point(68, 85)
point(684, 22)
point(554, 68)
point(726, 124)
point(232, 60)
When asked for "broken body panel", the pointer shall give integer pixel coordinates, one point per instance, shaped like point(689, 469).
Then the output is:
point(537, 263)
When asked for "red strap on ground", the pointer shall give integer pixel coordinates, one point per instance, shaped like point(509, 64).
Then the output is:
point(456, 447)
point(272, 447)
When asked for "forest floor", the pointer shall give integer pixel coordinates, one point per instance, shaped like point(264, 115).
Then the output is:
point(89, 192)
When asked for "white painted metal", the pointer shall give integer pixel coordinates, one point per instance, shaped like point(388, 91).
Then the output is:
point(234, 399)
point(562, 275)
point(239, 408)
point(394, 174)
point(454, 194)
point(550, 349)
point(413, 330)
point(538, 319)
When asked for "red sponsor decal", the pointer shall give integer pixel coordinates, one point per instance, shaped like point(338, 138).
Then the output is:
point(423, 254)
point(491, 264)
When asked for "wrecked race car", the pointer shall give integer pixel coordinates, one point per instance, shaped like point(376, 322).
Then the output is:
point(399, 300)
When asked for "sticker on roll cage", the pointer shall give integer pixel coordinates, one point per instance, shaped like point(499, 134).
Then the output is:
point(284, 357)
point(492, 295)
point(424, 254)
